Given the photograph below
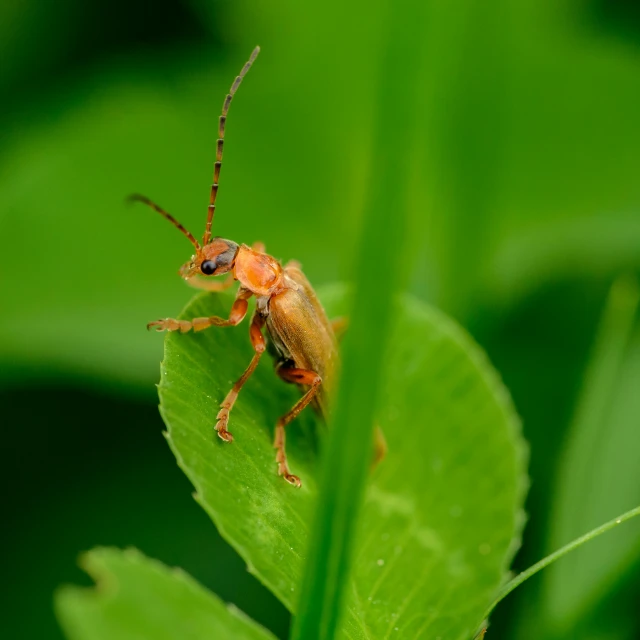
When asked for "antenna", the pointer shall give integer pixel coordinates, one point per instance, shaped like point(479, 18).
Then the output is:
point(220, 144)
point(138, 198)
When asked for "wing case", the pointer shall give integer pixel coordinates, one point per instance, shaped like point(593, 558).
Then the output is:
point(302, 333)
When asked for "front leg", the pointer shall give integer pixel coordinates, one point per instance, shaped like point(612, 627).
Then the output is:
point(296, 376)
point(210, 284)
point(237, 314)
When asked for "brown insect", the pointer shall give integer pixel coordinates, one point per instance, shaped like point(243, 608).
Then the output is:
point(303, 339)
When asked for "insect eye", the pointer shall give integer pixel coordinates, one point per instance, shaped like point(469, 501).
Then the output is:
point(208, 267)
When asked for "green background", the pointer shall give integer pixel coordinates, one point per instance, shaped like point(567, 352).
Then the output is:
point(528, 181)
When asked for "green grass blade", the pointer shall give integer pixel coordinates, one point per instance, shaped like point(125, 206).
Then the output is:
point(586, 471)
point(347, 457)
point(556, 555)
point(598, 473)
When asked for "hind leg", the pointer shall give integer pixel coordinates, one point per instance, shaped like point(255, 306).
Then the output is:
point(295, 376)
point(379, 447)
point(340, 326)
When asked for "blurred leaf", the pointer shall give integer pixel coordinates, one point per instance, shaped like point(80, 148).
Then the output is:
point(101, 269)
point(572, 134)
point(599, 472)
point(532, 123)
point(29, 43)
point(140, 599)
point(442, 515)
point(549, 250)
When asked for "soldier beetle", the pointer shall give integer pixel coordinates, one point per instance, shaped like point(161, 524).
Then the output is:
point(303, 340)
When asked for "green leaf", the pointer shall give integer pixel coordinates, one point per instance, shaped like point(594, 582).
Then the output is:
point(136, 598)
point(442, 513)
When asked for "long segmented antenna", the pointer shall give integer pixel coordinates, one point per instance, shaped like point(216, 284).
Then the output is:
point(220, 144)
point(138, 198)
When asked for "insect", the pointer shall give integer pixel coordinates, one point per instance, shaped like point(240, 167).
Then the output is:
point(301, 336)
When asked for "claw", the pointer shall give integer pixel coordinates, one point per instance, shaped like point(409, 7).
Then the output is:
point(221, 425)
point(158, 324)
point(283, 470)
point(294, 480)
point(225, 435)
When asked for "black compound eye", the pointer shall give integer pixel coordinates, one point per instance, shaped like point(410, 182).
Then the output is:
point(208, 267)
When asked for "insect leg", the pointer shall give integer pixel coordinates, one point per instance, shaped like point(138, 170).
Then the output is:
point(236, 316)
point(296, 376)
point(340, 326)
point(259, 345)
point(379, 447)
point(211, 285)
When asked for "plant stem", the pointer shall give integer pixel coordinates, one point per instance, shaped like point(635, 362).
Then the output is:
point(545, 562)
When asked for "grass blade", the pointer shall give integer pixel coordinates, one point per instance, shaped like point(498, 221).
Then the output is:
point(581, 470)
point(604, 425)
point(347, 456)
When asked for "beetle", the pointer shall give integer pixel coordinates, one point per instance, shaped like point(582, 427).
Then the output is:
point(302, 338)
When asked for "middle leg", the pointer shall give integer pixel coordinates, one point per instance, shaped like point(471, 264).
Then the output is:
point(259, 346)
point(296, 376)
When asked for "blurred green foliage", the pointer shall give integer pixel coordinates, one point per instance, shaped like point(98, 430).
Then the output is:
point(528, 199)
